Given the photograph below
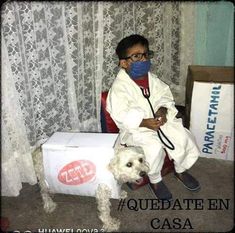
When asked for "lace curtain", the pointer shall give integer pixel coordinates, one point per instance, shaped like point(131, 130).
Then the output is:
point(57, 57)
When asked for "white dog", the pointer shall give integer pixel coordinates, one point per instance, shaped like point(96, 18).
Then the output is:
point(128, 165)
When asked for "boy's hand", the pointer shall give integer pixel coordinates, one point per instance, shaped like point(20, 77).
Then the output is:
point(151, 123)
point(161, 115)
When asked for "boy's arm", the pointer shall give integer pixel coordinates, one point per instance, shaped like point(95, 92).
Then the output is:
point(151, 123)
point(161, 115)
point(125, 113)
point(166, 105)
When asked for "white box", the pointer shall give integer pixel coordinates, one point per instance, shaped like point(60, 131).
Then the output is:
point(76, 163)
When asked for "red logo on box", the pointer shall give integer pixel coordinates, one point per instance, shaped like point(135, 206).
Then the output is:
point(77, 172)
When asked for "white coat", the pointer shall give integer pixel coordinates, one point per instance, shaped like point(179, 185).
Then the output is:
point(128, 107)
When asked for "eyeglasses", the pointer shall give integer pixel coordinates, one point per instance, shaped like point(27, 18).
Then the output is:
point(139, 56)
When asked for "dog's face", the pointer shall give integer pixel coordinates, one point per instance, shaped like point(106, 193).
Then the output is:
point(128, 164)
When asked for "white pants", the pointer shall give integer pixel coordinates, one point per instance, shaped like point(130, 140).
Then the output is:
point(184, 155)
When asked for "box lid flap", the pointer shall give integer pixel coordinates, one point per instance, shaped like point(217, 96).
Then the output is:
point(69, 139)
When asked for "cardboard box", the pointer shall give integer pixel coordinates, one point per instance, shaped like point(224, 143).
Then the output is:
point(211, 74)
point(210, 109)
point(76, 163)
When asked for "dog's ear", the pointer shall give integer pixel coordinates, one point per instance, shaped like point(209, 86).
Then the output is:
point(112, 167)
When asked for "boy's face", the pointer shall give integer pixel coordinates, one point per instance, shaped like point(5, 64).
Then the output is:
point(138, 48)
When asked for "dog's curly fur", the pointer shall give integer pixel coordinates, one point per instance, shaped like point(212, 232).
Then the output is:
point(128, 165)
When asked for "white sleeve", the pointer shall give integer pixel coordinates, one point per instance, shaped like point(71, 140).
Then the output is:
point(167, 100)
point(121, 107)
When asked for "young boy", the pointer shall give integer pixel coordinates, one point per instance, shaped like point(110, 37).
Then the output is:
point(142, 106)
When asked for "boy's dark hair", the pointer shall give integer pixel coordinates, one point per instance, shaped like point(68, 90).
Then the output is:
point(129, 42)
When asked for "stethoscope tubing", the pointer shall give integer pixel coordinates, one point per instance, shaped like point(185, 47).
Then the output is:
point(146, 94)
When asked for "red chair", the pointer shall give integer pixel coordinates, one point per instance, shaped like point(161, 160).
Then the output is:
point(109, 126)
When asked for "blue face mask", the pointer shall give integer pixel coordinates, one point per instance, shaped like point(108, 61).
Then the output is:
point(139, 68)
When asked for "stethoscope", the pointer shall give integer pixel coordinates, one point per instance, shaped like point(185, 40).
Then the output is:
point(146, 94)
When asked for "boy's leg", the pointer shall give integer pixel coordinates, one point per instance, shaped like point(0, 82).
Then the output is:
point(186, 151)
point(185, 155)
point(187, 180)
point(155, 156)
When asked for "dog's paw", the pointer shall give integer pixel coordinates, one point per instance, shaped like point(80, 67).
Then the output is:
point(123, 194)
point(112, 225)
point(50, 206)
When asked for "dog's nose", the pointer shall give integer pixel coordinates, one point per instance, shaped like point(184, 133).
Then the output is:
point(142, 174)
